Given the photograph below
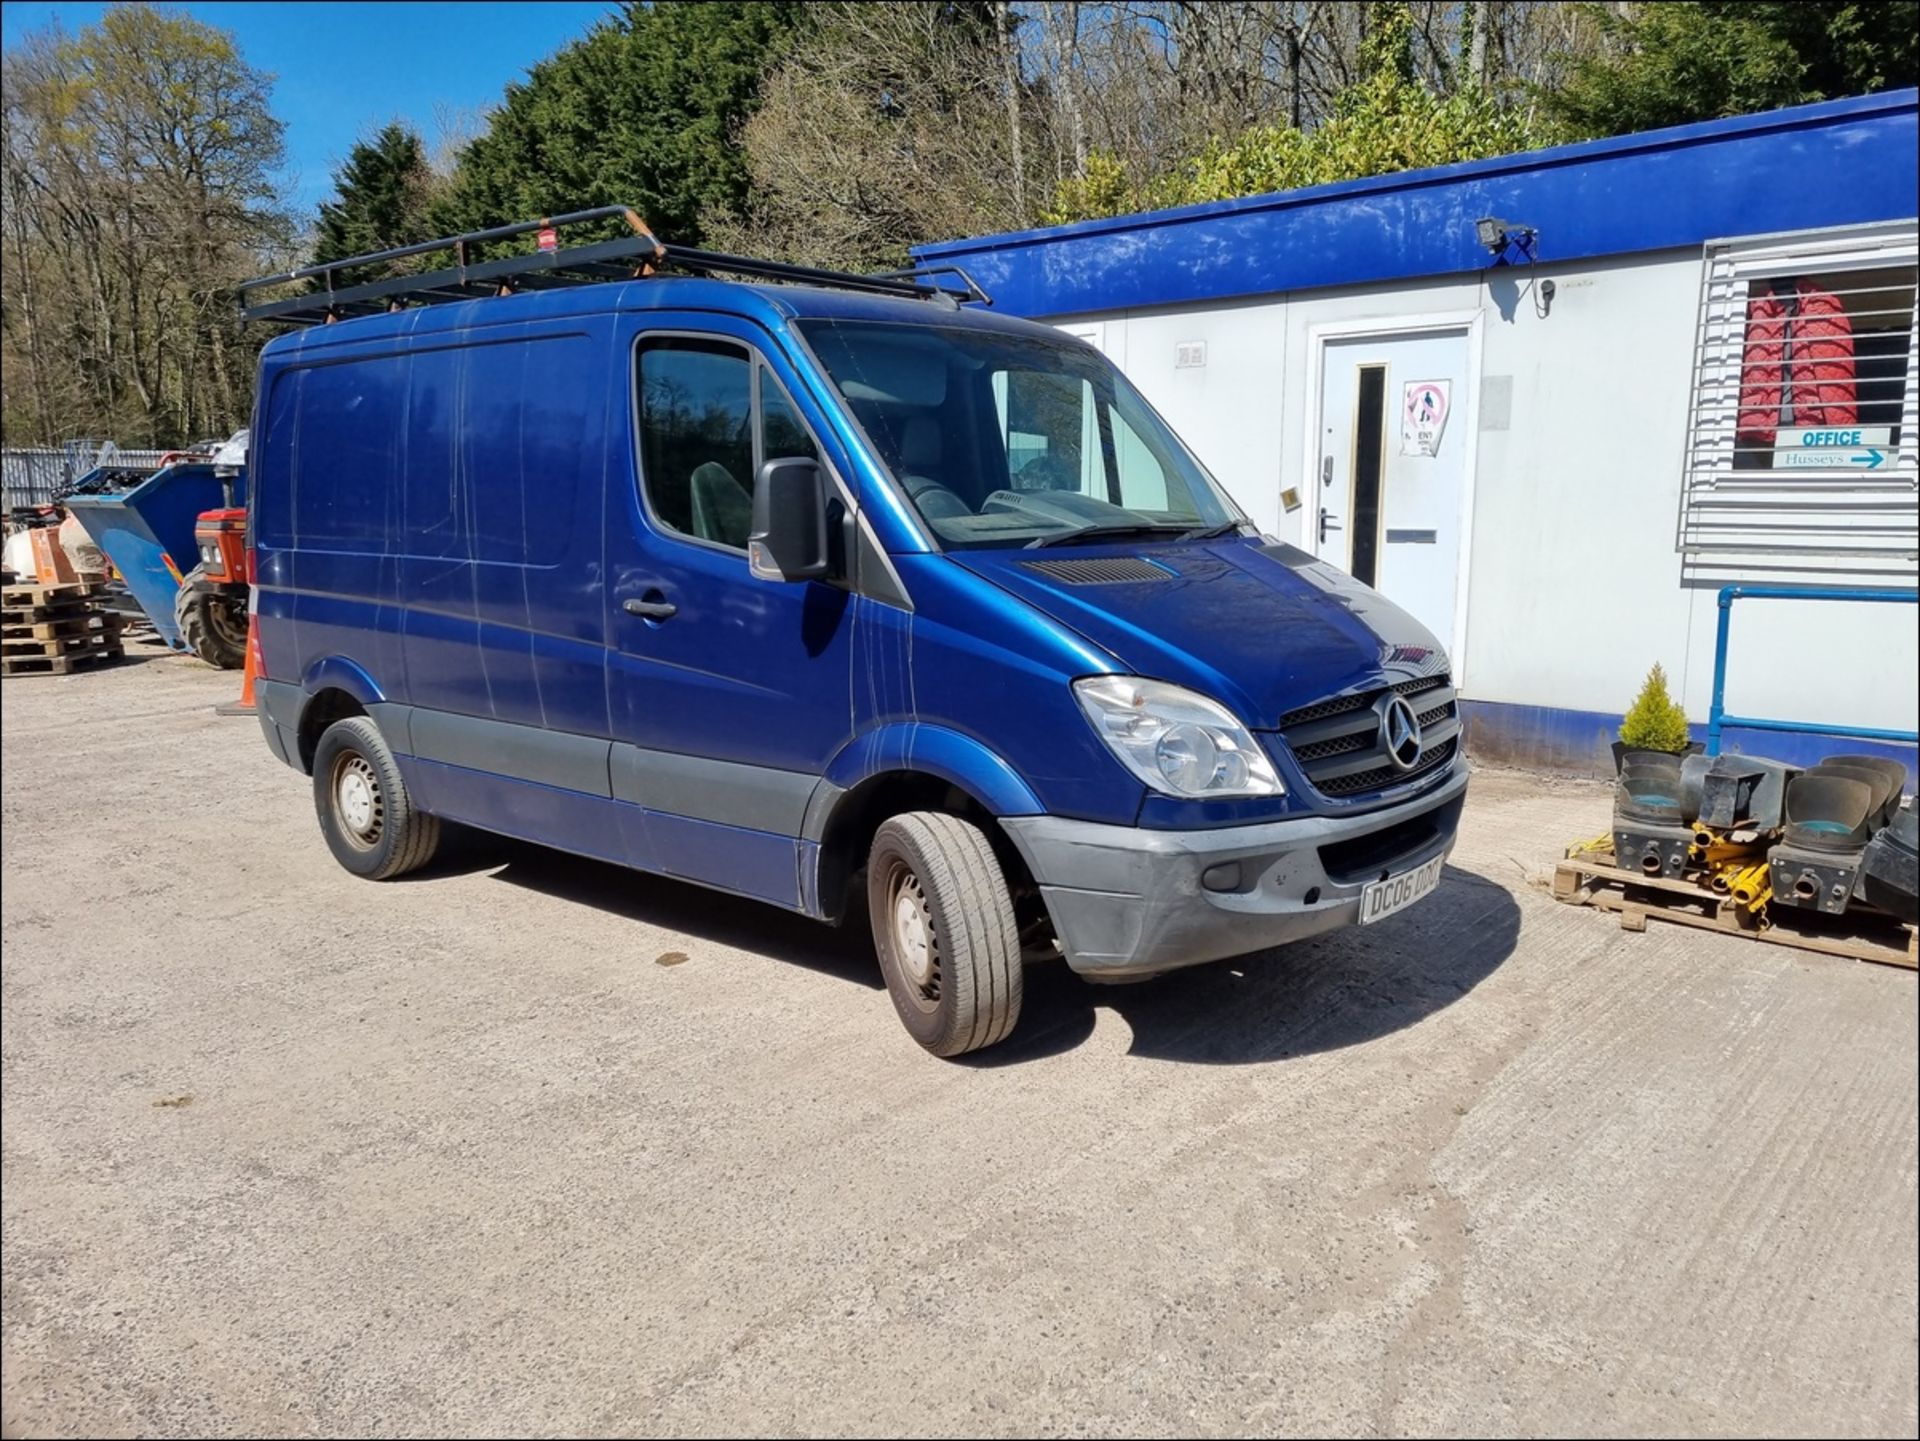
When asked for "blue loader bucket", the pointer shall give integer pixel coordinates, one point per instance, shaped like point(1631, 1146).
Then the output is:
point(142, 529)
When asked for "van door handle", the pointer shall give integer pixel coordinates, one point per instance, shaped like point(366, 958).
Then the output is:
point(652, 609)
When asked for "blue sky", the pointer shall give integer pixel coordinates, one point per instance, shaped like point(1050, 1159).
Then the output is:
point(343, 70)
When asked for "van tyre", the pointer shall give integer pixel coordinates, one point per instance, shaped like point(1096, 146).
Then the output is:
point(212, 623)
point(370, 822)
point(944, 930)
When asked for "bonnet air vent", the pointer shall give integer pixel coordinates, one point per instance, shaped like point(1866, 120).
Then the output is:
point(1109, 571)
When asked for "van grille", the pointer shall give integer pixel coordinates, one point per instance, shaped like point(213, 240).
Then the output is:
point(1338, 744)
point(1103, 571)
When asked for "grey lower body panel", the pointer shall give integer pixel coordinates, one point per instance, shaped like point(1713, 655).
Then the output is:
point(729, 793)
point(1128, 903)
point(281, 705)
point(278, 705)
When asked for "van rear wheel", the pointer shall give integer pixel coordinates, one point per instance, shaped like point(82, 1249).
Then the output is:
point(944, 930)
point(369, 820)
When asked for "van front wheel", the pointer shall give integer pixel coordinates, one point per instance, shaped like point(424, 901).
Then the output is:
point(944, 930)
point(368, 818)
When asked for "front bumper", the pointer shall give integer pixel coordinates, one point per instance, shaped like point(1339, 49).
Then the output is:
point(1129, 903)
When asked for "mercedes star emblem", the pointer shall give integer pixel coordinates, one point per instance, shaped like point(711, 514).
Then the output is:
point(1400, 733)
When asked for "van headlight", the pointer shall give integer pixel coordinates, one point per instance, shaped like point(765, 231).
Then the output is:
point(1179, 743)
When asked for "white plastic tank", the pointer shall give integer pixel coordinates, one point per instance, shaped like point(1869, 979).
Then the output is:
point(18, 555)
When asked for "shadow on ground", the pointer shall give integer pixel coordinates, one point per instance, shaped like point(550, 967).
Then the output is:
point(1337, 990)
point(715, 916)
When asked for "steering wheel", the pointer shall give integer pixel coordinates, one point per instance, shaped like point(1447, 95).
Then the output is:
point(1046, 472)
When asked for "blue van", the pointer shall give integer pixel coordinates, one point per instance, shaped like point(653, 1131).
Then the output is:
point(836, 592)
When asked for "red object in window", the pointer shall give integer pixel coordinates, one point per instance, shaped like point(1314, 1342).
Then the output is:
point(1820, 372)
point(549, 238)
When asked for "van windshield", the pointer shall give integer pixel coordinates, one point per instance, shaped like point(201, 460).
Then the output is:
point(1003, 439)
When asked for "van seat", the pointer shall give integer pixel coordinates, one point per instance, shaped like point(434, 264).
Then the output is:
point(722, 508)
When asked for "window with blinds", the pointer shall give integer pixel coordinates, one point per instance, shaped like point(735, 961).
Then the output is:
point(1801, 460)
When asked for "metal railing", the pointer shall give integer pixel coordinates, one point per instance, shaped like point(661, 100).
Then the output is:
point(328, 296)
point(1717, 717)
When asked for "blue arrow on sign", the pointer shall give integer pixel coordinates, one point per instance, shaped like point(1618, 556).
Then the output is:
point(1871, 460)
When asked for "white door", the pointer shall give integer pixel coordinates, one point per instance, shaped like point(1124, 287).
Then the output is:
point(1395, 413)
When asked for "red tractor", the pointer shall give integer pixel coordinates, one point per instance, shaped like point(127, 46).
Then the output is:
point(211, 605)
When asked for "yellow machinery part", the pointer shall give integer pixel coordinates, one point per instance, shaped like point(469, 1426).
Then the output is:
point(1713, 849)
point(1751, 887)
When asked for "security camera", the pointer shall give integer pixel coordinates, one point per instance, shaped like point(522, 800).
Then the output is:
point(1509, 242)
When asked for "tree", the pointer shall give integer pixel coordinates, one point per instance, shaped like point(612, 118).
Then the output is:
point(1668, 63)
point(1388, 120)
point(888, 123)
point(1655, 721)
point(641, 110)
point(383, 194)
point(137, 192)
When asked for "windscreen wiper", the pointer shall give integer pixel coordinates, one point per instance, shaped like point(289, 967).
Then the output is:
point(1213, 532)
point(1102, 530)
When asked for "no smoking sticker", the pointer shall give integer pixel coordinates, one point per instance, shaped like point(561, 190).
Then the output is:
point(1423, 416)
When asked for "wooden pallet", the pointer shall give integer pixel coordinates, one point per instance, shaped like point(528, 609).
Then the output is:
point(17, 665)
point(1594, 880)
point(52, 607)
point(82, 622)
point(14, 597)
point(72, 644)
point(55, 630)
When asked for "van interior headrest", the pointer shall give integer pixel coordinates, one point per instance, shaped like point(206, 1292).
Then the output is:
point(896, 374)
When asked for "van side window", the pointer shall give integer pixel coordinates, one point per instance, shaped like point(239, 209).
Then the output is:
point(782, 433)
point(696, 437)
point(710, 417)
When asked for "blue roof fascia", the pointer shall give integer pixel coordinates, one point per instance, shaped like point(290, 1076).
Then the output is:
point(1839, 162)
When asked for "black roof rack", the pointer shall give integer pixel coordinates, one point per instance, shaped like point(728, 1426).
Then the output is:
point(632, 256)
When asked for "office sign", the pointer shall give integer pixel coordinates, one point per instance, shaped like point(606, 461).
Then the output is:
point(1864, 448)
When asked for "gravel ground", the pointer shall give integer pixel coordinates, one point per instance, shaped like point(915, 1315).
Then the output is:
point(290, 1153)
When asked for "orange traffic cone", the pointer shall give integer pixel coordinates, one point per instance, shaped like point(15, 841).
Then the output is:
point(245, 705)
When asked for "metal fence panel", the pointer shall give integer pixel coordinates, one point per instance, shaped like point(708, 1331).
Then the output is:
point(33, 475)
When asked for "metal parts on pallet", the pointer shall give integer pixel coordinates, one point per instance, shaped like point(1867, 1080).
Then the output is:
point(1652, 833)
point(1890, 868)
point(1832, 814)
point(1759, 831)
point(1744, 792)
point(1652, 850)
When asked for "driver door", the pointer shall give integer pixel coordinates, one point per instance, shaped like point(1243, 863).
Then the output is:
point(727, 695)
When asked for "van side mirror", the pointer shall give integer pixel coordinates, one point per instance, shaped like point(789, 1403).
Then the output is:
point(789, 536)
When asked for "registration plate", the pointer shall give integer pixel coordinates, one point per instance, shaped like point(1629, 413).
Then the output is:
point(1396, 893)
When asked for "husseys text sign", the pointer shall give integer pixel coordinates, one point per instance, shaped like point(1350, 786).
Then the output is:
point(1838, 447)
